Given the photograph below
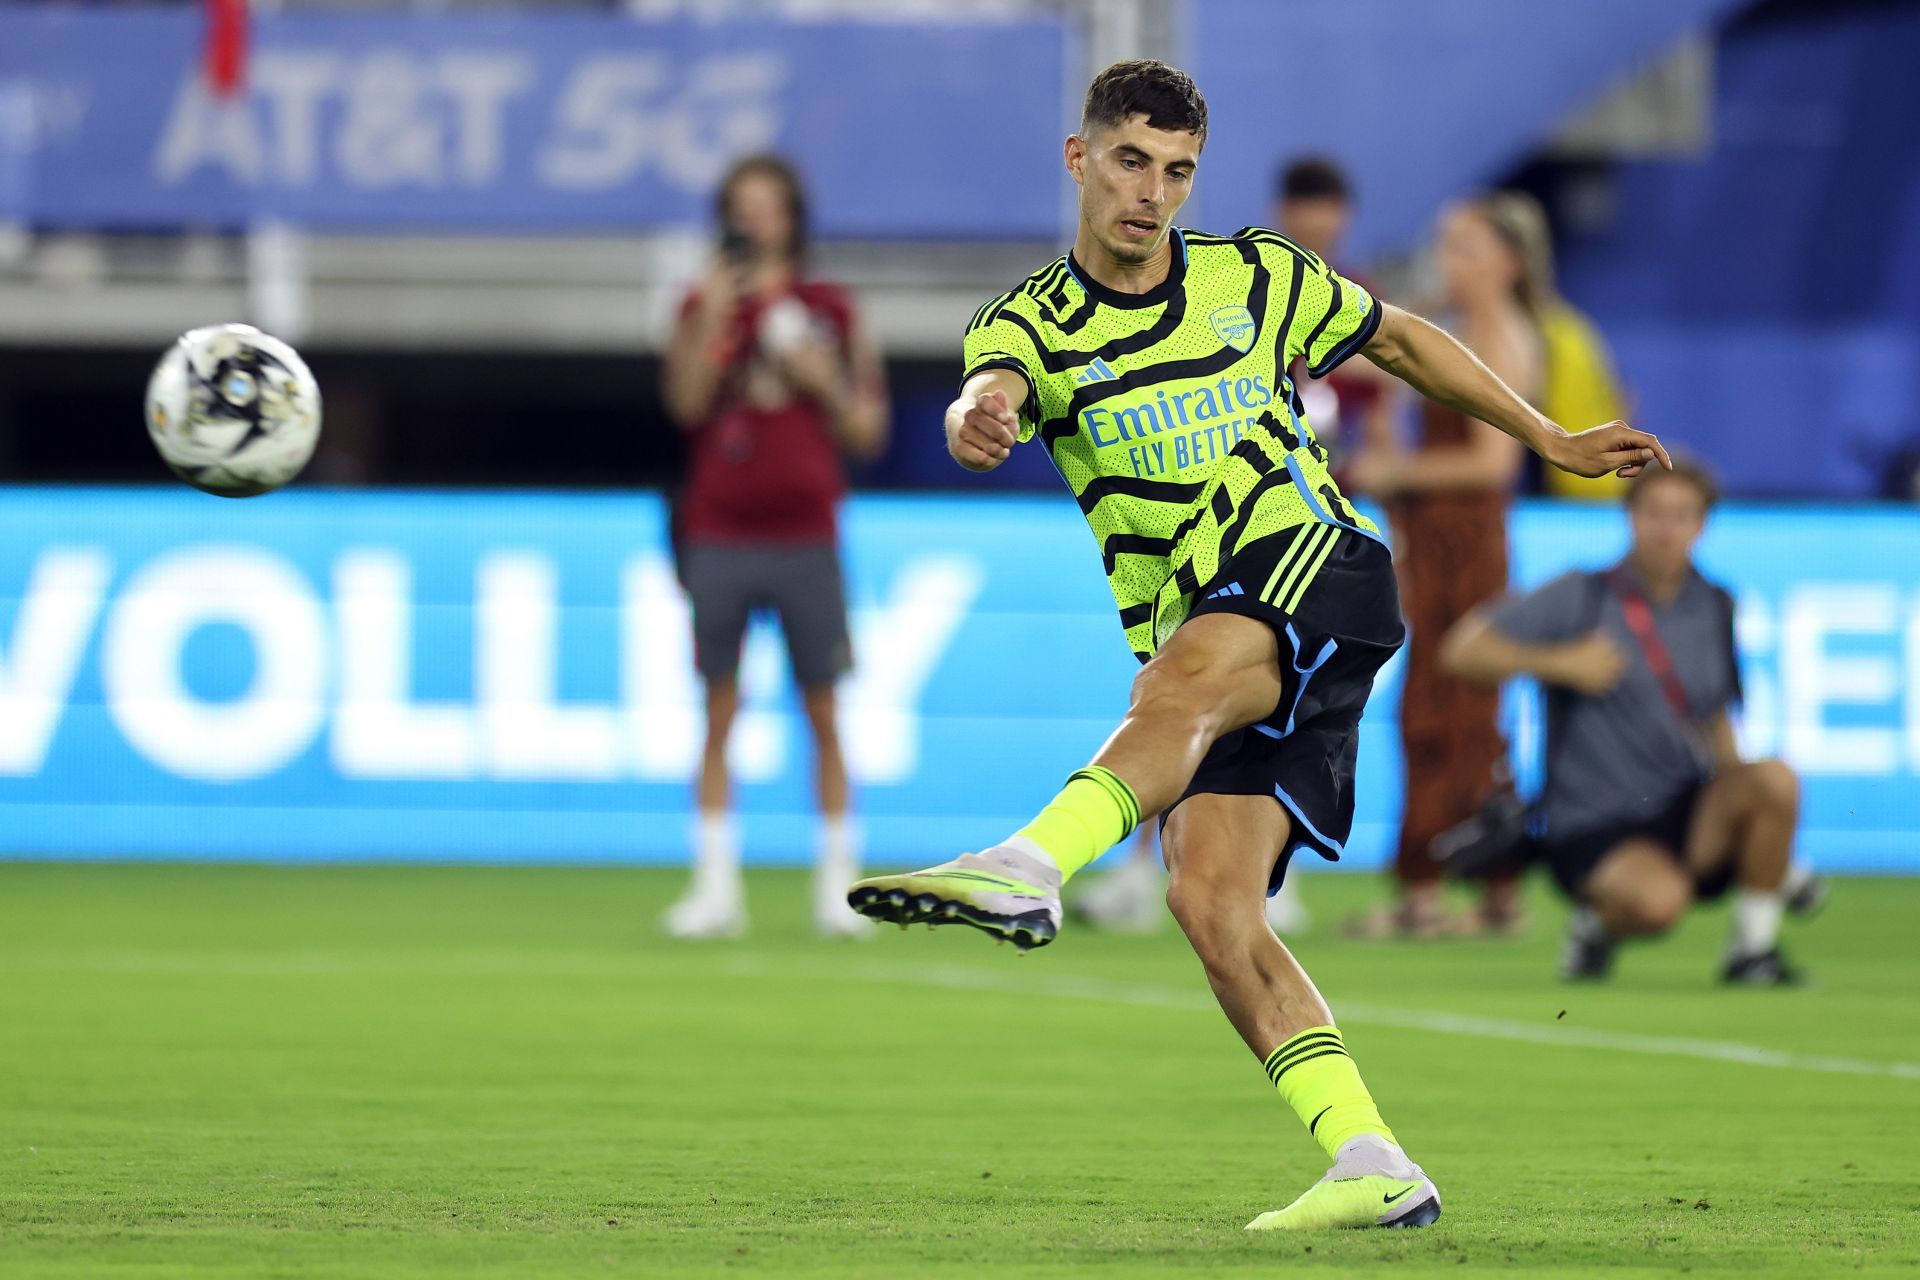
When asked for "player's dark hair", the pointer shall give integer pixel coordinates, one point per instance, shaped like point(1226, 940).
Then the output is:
point(1314, 178)
point(1685, 471)
point(782, 171)
point(1165, 95)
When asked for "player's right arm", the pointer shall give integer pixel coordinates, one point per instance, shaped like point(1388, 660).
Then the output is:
point(984, 423)
point(999, 402)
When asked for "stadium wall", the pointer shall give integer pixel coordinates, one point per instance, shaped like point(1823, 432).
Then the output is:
point(506, 676)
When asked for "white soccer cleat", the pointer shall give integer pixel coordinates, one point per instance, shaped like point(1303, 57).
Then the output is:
point(1003, 892)
point(706, 912)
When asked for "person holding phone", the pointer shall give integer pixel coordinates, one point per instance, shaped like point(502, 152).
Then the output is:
point(774, 382)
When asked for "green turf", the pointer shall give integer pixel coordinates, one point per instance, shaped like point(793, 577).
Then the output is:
point(397, 1072)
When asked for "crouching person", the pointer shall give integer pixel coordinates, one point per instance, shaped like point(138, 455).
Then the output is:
point(1646, 806)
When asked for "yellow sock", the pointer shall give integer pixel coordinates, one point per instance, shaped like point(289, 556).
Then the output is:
point(1092, 813)
point(1321, 1084)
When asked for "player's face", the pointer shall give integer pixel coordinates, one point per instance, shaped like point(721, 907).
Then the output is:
point(758, 210)
point(1133, 180)
point(1667, 517)
point(1475, 263)
point(1319, 223)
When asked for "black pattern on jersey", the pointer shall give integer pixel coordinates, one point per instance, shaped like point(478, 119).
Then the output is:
point(1136, 544)
point(1265, 235)
point(1144, 340)
point(1136, 487)
point(1076, 320)
point(1056, 429)
point(1272, 478)
point(1048, 286)
point(1181, 448)
point(1333, 309)
point(1280, 362)
point(1284, 432)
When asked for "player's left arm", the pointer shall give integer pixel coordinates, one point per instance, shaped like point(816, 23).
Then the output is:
point(1435, 364)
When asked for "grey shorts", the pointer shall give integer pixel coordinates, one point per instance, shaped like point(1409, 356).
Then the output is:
point(726, 582)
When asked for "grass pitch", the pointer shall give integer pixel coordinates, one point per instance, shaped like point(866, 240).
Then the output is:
point(399, 1072)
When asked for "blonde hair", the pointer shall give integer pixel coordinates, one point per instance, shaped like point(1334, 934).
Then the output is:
point(1521, 224)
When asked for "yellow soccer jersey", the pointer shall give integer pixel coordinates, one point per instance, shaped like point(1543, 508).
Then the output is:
point(1170, 414)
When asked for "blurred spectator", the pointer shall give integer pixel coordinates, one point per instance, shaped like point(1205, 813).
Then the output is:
point(1647, 805)
point(1579, 384)
point(1447, 501)
point(1357, 402)
point(773, 379)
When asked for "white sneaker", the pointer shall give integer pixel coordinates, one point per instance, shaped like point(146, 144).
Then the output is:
point(707, 911)
point(1286, 913)
point(1130, 898)
point(832, 917)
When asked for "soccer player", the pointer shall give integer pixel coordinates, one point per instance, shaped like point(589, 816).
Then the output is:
point(1647, 805)
point(1313, 207)
point(1152, 364)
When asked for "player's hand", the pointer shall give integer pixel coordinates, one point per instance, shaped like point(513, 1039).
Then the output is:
point(1592, 665)
point(1616, 447)
point(981, 430)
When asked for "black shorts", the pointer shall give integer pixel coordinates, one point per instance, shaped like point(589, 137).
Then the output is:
point(1572, 859)
point(726, 582)
point(1346, 625)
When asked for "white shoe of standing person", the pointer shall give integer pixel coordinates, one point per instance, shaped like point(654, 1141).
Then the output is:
point(832, 917)
point(1286, 913)
point(710, 909)
point(1131, 898)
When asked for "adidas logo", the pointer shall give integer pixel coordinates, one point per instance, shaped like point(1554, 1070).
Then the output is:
point(1097, 370)
point(1231, 589)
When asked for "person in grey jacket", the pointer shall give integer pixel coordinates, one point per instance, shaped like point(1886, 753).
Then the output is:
point(1647, 805)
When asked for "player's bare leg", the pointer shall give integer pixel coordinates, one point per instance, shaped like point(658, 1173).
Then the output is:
point(1215, 674)
point(1216, 888)
point(714, 905)
point(1220, 852)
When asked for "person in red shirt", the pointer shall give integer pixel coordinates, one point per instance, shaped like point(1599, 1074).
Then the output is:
point(773, 380)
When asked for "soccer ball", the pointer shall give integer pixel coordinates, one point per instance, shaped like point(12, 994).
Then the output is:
point(233, 411)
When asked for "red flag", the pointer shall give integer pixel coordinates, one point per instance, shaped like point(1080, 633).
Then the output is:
point(225, 66)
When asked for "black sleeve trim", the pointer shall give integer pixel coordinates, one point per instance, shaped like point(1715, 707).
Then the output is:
point(1357, 339)
point(1031, 409)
